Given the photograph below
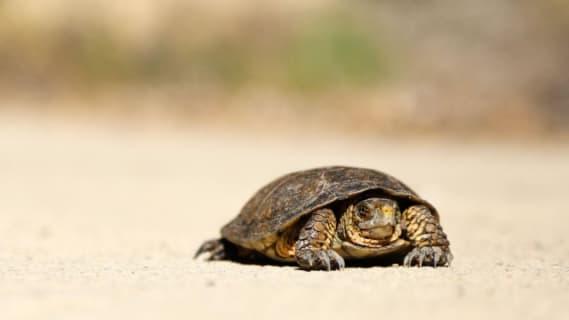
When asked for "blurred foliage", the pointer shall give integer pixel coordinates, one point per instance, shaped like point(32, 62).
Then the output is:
point(333, 50)
point(328, 51)
point(431, 66)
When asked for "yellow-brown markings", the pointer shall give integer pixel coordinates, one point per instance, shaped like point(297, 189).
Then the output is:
point(270, 252)
point(284, 247)
point(259, 246)
point(396, 233)
point(423, 228)
point(318, 232)
point(354, 233)
point(387, 210)
point(420, 229)
point(319, 226)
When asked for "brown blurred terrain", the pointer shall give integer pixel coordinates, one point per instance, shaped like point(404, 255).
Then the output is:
point(381, 68)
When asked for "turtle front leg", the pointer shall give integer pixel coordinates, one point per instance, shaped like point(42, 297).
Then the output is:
point(430, 244)
point(312, 249)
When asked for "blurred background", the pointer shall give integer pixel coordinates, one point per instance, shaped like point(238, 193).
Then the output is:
point(390, 69)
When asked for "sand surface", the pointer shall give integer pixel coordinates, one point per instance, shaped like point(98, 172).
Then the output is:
point(102, 223)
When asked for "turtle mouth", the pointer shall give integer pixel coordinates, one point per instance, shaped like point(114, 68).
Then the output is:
point(378, 221)
point(379, 232)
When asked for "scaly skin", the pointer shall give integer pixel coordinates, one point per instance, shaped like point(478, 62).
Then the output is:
point(310, 242)
point(312, 249)
point(429, 242)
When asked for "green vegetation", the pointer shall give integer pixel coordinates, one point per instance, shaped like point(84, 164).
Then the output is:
point(335, 51)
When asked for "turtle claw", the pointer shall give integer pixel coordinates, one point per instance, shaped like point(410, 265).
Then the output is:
point(324, 259)
point(410, 257)
point(214, 247)
point(338, 260)
point(435, 256)
point(420, 260)
point(320, 260)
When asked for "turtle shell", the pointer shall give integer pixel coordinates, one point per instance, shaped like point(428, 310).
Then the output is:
point(287, 199)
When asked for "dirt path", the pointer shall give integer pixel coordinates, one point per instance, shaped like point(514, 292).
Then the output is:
point(102, 224)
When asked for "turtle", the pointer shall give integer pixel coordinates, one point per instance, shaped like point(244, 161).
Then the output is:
point(322, 217)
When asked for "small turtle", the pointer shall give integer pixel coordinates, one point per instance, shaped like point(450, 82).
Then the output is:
point(319, 217)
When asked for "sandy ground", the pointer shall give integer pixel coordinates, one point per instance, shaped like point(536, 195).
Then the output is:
point(101, 223)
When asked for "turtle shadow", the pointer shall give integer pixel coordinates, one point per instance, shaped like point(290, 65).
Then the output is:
point(243, 256)
point(351, 264)
point(392, 260)
point(389, 261)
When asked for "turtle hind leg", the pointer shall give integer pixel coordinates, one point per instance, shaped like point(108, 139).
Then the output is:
point(430, 243)
point(216, 248)
point(312, 249)
point(221, 249)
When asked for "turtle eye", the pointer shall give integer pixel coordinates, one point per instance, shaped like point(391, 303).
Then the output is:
point(363, 212)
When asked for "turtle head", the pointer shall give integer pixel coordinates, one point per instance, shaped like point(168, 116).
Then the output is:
point(377, 219)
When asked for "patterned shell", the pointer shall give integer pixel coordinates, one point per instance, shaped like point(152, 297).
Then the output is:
point(284, 201)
